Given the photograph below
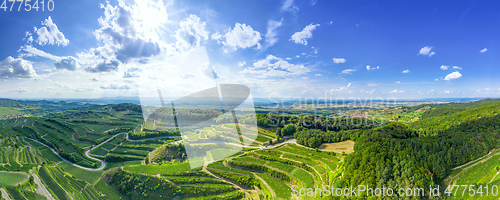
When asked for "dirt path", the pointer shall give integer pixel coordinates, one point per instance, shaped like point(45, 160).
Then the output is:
point(481, 160)
point(5, 195)
point(41, 189)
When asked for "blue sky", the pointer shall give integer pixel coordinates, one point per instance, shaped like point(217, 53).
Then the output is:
point(302, 49)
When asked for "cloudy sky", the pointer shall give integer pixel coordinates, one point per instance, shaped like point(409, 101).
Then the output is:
point(282, 48)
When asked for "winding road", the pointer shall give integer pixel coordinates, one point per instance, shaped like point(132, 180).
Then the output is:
point(103, 163)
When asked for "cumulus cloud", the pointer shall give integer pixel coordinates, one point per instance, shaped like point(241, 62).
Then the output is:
point(191, 33)
point(348, 71)
point(453, 76)
point(271, 34)
point(406, 71)
point(273, 66)
point(338, 60)
point(483, 50)
point(48, 34)
point(368, 67)
point(106, 66)
point(69, 63)
point(444, 67)
point(372, 84)
point(126, 33)
point(456, 67)
point(241, 36)
point(136, 48)
point(302, 36)
point(426, 51)
point(16, 68)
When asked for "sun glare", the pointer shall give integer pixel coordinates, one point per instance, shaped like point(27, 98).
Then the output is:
point(151, 15)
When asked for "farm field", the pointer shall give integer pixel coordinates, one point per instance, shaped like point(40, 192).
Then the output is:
point(9, 179)
point(338, 147)
point(278, 168)
point(484, 172)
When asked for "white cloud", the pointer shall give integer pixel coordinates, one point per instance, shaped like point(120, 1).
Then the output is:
point(126, 33)
point(302, 36)
point(273, 66)
point(271, 34)
point(208, 70)
point(288, 6)
point(30, 51)
point(315, 50)
point(16, 68)
point(446, 67)
point(341, 89)
point(483, 50)
point(115, 87)
point(241, 36)
point(426, 51)
point(241, 64)
point(368, 67)
point(191, 33)
point(452, 76)
point(48, 34)
point(398, 82)
point(447, 92)
point(317, 74)
point(131, 73)
point(348, 71)
point(21, 90)
point(396, 91)
point(105, 66)
point(339, 60)
point(406, 71)
point(69, 63)
point(372, 84)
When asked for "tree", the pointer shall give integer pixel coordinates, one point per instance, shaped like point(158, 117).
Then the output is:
point(289, 129)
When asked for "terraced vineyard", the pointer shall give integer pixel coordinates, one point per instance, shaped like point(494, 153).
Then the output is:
point(64, 186)
point(275, 171)
point(483, 172)
point(175, 179)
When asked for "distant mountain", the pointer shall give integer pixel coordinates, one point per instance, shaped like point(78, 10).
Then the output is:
point(11, 103)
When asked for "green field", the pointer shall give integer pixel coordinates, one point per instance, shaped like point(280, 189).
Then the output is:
point(6, 111)
point(159, 169)
point(291, 160)
point(11, 178)
point(484, 172)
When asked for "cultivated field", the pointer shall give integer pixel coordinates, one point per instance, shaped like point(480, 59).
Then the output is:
point(339, 147)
